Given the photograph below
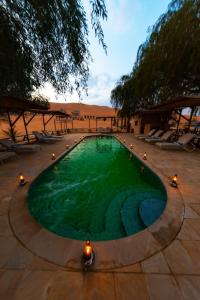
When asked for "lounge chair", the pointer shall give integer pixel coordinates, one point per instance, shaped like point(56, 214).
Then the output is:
point(151, 132)
point(44, 139)
point(155, 135)
point(46, 133)
point(184, 142)
point(6, 155)
point(164, 138)
point(11, 146)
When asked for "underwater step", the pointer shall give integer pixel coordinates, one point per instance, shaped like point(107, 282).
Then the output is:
point(150, 210)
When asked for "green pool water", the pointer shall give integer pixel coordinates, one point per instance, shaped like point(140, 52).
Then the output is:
point(95, 192)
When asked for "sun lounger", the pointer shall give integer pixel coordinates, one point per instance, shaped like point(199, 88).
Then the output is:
point(11, 146)
point(44, 139)
point(184, 142)
point(155, 135)
point(46, 133)
point(6, 155)
point(151, 132)
point(164, 138)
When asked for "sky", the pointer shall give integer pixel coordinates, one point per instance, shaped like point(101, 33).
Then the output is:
point(125, 30)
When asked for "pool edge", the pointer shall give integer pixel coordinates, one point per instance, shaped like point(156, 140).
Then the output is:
point(66, 252)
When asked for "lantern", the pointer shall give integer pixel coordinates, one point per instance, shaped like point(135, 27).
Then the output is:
point(87, 249)
point(145, 156)
point(21, 180)
point(174, 181)
point(53, 157)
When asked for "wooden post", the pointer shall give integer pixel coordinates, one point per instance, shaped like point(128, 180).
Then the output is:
point(43, 121)
point(179, 119)
point(11, 127)
point(191, 114)
point(61, 125)
point(55, 124)
point(25, 126)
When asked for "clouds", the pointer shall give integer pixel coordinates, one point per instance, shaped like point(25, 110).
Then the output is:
point(125, 29)
point(99, 88)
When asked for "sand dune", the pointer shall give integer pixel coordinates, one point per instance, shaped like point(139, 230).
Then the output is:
point(85, 110)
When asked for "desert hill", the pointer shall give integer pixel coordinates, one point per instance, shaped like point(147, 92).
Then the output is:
point(85, 109)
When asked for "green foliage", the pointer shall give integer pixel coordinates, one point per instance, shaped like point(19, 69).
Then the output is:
point(16, 62)
point(167, 64)
point(41, 100)
point(46, 41)
point(8, 132)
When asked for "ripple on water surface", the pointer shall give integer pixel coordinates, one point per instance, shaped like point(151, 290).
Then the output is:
point(94, 192)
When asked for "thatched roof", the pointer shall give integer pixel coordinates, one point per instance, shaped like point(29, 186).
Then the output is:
point(14, 104)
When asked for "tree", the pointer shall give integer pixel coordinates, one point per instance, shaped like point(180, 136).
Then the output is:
point(167, 64)
point(46, 41)
point(122, 97)
point(16, 61)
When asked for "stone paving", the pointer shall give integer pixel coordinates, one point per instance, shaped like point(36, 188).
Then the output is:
point(173, 272)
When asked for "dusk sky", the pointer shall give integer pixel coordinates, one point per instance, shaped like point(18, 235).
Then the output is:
point(126, 28)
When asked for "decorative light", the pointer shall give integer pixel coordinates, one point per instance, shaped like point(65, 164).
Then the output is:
point(124, 141)
point(131, 146)
point(145, 156)
point(174, 181)
point(75, 141)
point(67, 146)
point(21, 180)
point(53, 157)
point(87, 250)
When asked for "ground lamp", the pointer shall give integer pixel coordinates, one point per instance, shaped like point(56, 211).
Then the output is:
point(21, 180)
point(131, 146)
point(124, 141)
point(174, 181)
point(145, 156)
point(53, 157)
point(75, 141)
point(88, 255)
point(67, 146)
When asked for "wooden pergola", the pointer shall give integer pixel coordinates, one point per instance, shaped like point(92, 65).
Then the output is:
point(116, 119)
point(163, 111)
point(177, 105)
point(18, 106)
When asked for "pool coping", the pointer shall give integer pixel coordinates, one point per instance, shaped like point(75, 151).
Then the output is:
point(67, 253)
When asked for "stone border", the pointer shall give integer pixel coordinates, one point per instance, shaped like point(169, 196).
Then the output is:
point(67, 253)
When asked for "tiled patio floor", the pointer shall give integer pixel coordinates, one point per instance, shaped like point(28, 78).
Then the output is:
point(173, 273)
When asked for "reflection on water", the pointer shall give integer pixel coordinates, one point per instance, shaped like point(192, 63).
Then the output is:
point(94, 192)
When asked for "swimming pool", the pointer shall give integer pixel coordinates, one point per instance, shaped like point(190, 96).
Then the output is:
point(97, 192)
